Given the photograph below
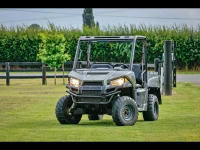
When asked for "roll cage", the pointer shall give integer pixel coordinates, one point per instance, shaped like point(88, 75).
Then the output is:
point(131, 39)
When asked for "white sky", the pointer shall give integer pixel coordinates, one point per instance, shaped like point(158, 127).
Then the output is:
point(72, 17)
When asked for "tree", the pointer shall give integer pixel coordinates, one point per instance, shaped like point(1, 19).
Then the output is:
point(88, 18)
point(97, 25)
point(34, 26)
point(52, 50)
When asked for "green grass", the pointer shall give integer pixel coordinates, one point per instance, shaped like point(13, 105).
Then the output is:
point(27, 113)
point(187, 72)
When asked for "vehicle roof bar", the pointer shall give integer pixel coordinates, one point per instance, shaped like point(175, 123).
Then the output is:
point(88, 38)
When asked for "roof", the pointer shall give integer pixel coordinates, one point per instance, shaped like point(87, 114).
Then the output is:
point(112, 38)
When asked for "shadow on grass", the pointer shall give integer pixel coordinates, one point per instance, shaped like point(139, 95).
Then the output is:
point(106, 122)
point(98, 123)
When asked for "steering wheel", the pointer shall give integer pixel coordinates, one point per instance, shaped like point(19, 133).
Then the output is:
point(124, 66)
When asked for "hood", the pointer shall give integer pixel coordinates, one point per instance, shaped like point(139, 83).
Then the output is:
point(95, 75)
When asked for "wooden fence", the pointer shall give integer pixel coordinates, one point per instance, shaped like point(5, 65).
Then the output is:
point(38, 67)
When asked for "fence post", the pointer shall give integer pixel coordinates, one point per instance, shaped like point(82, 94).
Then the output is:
point(168, 67)
point(7, 73)
point(43, 74)
point(174, 64)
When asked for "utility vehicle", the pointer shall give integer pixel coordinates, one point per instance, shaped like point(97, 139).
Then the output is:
point(110, 76)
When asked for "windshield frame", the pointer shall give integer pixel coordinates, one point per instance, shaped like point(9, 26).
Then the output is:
point(89, 39)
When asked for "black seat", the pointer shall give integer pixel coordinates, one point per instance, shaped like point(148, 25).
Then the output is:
point(137, 70)
point(106, 66)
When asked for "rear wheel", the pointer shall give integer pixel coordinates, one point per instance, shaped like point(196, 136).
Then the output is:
point(62, 111)
point(124, 111)
point(95, 117)
point(152, 112)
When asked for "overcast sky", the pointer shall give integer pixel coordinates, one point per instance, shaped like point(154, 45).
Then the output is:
point(72, 17)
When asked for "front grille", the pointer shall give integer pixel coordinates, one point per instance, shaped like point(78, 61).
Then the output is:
point(90, 100)
point(92, 83)
point(92, 92)
point(110, 90)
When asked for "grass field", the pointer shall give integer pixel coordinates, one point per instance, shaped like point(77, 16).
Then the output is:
point(27, 113)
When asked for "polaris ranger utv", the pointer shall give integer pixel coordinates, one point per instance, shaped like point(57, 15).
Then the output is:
point(110, 76)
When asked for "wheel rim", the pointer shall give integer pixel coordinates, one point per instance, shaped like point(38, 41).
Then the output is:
point(67, 110)
point(127, 113)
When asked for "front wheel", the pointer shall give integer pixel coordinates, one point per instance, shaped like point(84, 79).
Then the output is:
point(62, 111)
point(152, 112)
point(124, 111)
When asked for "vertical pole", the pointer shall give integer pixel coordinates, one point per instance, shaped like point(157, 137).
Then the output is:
point(145, 62)
point(162, 81)
point(174, 66)
point(63, 68)
point(7, 73)
point(168, 67)
point(43, 74)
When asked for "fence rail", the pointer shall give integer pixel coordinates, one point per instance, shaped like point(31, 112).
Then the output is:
point(43, 68)
point(7, 69)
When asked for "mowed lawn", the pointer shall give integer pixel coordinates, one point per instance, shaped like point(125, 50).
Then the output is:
point(27, 113)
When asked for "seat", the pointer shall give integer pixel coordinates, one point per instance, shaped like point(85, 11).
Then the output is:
point(101, 66)
point(137, 70)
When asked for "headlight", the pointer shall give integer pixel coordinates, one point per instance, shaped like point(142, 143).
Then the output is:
point(74, 82)
point(118, 82)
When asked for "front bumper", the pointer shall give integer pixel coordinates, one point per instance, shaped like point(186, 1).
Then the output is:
point(92, 94)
